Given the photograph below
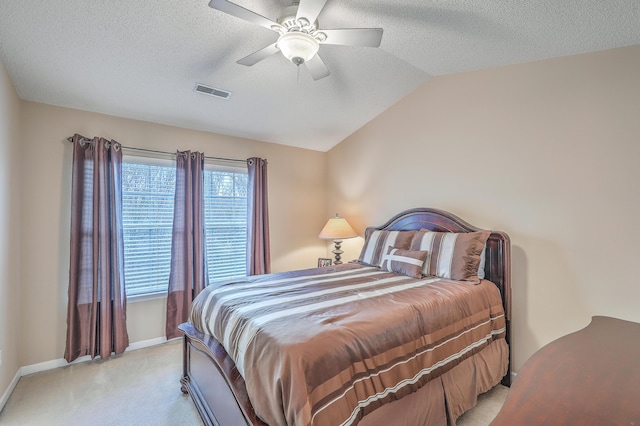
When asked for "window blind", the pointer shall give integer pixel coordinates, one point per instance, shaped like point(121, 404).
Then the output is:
point(148, 197)
point(147, 218)
point(225, 209)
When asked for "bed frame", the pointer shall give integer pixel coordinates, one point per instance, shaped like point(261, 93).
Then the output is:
point(218, 390)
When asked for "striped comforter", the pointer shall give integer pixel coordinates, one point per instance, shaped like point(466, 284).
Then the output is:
point(327, 346)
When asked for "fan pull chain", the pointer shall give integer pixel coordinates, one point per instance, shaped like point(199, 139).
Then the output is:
point(298, 76)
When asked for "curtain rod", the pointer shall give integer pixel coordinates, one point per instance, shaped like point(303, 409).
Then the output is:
point(70, 139)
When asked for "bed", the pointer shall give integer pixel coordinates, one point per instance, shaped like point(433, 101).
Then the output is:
point(388, 339)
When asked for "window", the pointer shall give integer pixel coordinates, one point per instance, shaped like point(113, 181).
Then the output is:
point(225, 218)
point(148, 189)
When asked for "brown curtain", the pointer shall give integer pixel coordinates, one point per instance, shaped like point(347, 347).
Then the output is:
point(96, 317)
point(188, 275)
point(258, 248)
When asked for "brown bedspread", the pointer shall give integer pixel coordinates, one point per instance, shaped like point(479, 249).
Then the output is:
point(327, 346)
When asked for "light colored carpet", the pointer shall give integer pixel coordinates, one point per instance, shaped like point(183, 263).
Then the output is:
point(140, 387)
point(137, 388)
point(489, 404)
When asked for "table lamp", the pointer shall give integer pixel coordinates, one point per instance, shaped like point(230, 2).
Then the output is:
point(337, 229)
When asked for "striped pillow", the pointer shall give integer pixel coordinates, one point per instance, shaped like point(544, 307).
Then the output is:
point(455, 256)
point(377, 242)
point(405, 262)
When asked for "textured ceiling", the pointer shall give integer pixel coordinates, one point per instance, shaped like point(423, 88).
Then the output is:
point(141, 59)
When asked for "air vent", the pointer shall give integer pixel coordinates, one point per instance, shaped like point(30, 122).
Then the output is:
point(212, 91)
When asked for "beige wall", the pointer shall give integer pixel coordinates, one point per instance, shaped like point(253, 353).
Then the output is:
point(547, 151)
point(297, 201)
point(9, 228)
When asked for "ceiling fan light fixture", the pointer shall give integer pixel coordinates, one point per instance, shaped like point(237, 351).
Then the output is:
point(298, 47)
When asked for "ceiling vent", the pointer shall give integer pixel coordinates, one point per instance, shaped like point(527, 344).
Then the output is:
point(212, 91)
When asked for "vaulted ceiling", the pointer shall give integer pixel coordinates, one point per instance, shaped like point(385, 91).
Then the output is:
point(141, 59)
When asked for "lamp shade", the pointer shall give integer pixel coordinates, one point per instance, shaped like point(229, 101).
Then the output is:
point(298, 47)
point(337, 228)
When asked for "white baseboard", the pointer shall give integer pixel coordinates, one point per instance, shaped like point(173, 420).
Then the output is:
point(50, 365)
point(55, 363)
point(146, 343)
point(7, 393)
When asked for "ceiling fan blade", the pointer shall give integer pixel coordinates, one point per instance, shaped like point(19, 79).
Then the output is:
point(259, 55)
point(242, 13)
point(310, 9)
point(368, 37)
point(317, 68)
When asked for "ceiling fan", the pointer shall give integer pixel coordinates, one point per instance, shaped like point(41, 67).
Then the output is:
point(300, 38)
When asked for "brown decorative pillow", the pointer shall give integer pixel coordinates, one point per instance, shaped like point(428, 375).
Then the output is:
point(455, 256)
point(405, 262)
point(376, 243)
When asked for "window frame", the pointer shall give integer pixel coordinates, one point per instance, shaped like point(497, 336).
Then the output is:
point(227, 167)
point(164, 160)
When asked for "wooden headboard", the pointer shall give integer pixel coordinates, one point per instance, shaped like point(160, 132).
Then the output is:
point(497, 267)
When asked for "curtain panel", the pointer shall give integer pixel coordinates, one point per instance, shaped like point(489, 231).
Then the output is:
point(96, 316)
point(258, 244)
point(188, 276)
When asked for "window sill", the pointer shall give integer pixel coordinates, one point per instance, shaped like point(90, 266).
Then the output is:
point(146, 296)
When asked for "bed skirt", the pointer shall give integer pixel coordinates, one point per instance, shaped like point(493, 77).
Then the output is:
point(444, 399)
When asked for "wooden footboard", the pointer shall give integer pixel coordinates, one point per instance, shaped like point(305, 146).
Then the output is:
point(211, 379)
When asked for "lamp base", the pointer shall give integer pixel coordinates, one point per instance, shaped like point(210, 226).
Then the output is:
point(337, 252)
